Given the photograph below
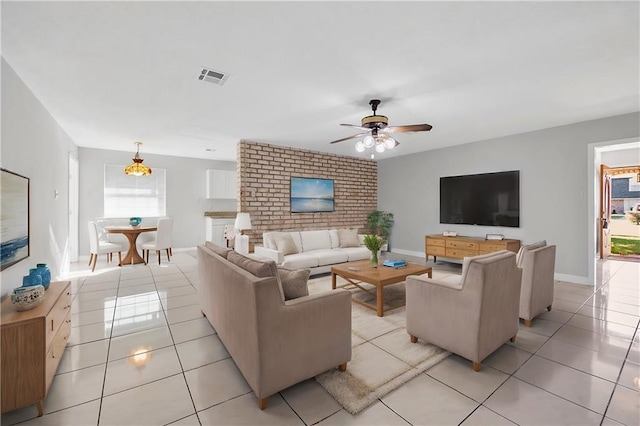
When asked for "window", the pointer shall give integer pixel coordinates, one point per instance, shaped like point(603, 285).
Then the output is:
point(127, 196)
point(634, 185)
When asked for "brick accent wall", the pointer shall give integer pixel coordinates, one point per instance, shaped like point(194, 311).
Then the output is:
point(264, 179)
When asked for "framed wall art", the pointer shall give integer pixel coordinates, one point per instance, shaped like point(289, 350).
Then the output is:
point(14, 216)
point(311, 195)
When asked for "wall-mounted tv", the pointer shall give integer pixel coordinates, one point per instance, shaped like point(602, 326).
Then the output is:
point(311, 195)
point(490, 199)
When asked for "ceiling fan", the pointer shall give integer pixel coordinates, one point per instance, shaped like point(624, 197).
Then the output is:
point(378, 129)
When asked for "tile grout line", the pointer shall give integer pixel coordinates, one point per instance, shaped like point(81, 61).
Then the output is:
point(175, 349)
point(106, 364)
point(617, 383)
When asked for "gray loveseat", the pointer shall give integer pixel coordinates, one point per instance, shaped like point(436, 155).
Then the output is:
point(275, 343)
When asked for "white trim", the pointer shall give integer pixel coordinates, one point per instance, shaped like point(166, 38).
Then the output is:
point(593, 199)
point(576, 279)
point(408, 252)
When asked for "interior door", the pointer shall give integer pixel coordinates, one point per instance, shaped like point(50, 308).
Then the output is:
point(605, 211)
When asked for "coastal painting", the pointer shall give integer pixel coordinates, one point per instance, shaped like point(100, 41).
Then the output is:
point(14, 218)
point(311, 195)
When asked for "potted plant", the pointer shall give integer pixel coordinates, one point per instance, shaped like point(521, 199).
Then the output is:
point(380, 223)
point(374, 244)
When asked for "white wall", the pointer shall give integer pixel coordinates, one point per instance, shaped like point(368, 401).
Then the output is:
point(554, 182)
point(35, 146)
point(617, 157)
point(185, 185)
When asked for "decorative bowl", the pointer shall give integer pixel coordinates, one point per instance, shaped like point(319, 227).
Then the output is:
point(135, 221)
point(25, 298)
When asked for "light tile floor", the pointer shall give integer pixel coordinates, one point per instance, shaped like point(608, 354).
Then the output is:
point(140, 353)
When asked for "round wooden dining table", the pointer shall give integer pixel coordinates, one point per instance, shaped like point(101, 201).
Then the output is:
point(131, 232)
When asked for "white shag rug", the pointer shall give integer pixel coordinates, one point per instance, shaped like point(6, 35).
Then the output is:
point(383, 358)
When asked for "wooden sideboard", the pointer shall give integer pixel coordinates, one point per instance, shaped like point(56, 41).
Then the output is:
point(459, 247)
point(32, 345)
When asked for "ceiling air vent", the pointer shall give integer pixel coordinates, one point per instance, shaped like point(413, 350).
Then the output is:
point(212, 76)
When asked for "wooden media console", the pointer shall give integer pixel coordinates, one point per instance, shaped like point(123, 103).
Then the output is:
point(459, 247)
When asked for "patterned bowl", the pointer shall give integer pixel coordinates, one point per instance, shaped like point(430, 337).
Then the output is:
point(135, 221)
point(26, 298)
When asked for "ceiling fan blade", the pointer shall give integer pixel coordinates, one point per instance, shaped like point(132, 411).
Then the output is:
point(355, 125)
point(409, 128)
point(350, 137)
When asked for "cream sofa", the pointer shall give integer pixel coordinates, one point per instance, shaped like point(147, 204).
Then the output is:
point(275, 343)
point(317, 250)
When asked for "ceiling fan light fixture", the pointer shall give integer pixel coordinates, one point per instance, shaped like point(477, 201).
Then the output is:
point(389, 142)
point(360, 146)
point(380, 147)
point(368, 141)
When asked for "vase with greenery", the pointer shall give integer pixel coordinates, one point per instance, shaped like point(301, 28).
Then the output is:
point(380, 223)
point(374, 244)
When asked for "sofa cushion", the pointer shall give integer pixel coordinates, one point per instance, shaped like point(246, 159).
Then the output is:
point(315, 240)
point(300, 260)
point(294, 282)
point(355, 253)
point(348, 237)
point(329, 257)
point(284, 243)
point(525, 248)
point(259, 268)
point(335, 238)
point(220, 251)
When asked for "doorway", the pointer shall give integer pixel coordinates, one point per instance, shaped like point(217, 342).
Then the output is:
point(616, 155)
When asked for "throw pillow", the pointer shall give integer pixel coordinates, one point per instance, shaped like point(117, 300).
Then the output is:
point(220, 251)
point(294, 282)
point(284, 243)
point(524, 249)
point(348, 237)
point(260, 269)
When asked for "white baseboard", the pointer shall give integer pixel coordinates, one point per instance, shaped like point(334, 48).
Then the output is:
point(408, 252)
point(575, 279)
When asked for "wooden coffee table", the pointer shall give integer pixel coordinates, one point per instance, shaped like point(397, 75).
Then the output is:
point(363, 272)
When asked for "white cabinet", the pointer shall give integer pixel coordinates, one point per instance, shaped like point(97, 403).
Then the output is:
point(222, 184)
point(215, 230)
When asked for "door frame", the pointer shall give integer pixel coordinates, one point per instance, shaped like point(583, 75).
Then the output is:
point(594, 159)
point(74, 191)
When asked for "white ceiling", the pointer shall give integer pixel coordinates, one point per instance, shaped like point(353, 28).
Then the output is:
point(112, 73)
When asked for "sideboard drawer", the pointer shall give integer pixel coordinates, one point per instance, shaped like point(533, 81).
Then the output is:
point(436, 251)
point(438, 242)
point(57, 350)
point(460, 253)
point(492, 247)
point(458, 244)
point(55, 318)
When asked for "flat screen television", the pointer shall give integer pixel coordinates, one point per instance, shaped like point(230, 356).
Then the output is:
point(489, 199)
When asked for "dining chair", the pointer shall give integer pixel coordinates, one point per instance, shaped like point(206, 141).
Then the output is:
point(98, 246)
point(162, 241)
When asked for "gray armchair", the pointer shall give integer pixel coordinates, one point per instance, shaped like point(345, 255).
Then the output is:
point(536, 294)
point(472, 317)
